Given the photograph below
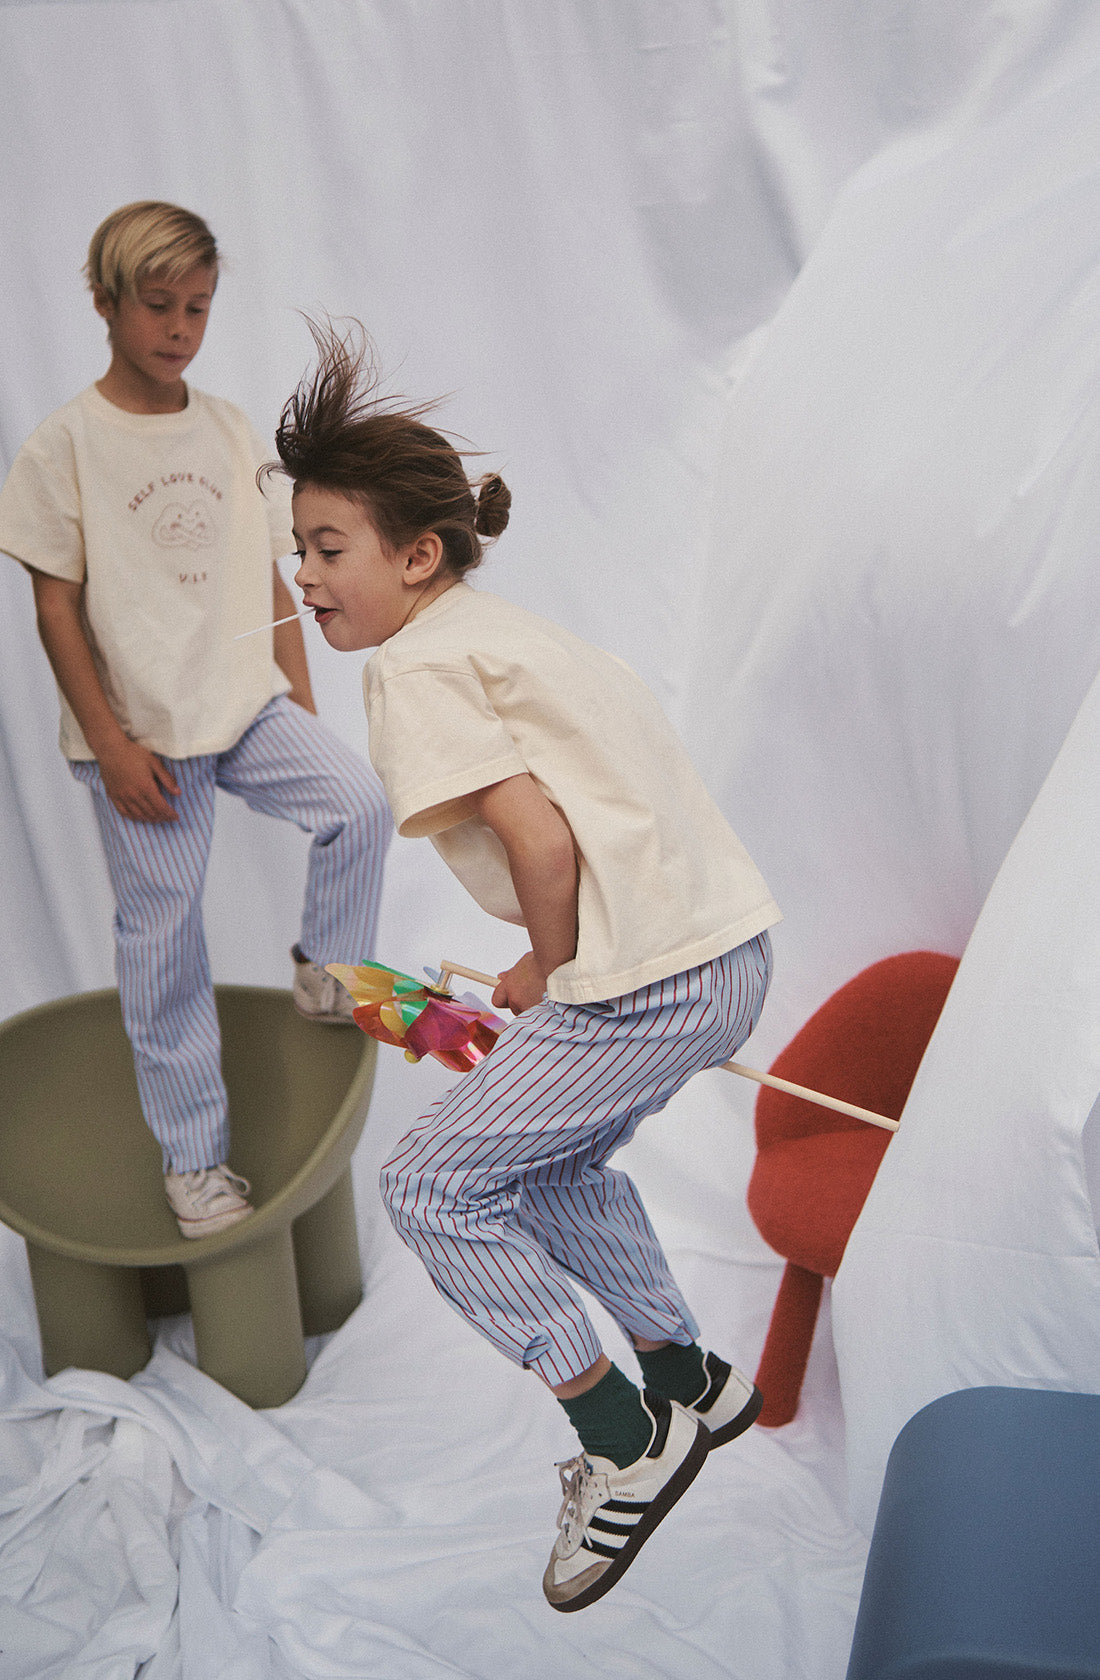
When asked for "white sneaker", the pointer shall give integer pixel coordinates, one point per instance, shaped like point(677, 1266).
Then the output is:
point(729, 1403)
point(318, 995)
point(209, 1200)
point(608, 1514)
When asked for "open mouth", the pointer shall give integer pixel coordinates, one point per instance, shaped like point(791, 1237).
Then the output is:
point(323, 614)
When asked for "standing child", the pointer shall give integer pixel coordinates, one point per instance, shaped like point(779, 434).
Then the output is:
point(136, 510)
point(547, 777)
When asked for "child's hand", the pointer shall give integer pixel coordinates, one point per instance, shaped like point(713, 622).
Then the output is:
point(136, 781)
point(521, 986)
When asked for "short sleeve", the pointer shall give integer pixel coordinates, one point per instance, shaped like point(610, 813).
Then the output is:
point(276, 491)
point(434, 740)
point(40, 514)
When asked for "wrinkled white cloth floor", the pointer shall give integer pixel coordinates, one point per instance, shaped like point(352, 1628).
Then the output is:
point(394, 1519)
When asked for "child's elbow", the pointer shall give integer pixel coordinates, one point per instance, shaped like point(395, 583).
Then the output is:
point(549, 857)
point(565, 859)
point(558, 867)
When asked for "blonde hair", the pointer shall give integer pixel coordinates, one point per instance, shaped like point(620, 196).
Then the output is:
point(145, 238)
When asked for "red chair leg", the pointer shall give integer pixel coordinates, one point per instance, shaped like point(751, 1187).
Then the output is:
point(787, 1347)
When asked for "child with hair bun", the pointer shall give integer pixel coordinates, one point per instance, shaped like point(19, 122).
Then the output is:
point(547, 777)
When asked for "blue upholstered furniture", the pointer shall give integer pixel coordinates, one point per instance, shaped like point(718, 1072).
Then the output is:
point(985, 1558)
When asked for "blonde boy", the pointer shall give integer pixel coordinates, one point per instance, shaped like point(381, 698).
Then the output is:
point(136, 511)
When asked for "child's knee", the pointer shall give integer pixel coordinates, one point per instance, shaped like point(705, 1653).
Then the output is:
point(357, 822)
point(365, 815)
point(406, 1195)
point(373, 813)
point(423, 1194)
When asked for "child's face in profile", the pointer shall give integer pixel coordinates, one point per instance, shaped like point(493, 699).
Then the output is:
point(361, 591)
point(156, 333)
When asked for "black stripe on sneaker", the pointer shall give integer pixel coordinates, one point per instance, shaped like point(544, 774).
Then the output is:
point(614, 1534)
point(650, 1512)
point(718, 1373)
point(600, 1522)
point(662, 1419)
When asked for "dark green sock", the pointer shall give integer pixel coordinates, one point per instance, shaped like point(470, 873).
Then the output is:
point(675, 1372)
point(611, 1420)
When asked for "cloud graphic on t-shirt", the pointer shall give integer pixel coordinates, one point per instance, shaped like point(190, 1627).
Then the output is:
point(183, 527)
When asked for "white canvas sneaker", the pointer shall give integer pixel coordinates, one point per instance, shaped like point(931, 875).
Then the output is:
point(729, 1403)
point(608, 1514)
point(206, 1201)
point(318, 995)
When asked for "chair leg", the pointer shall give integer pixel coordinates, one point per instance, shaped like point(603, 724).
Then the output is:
point(248, 1324)
point(165, 1291)
point(787, 1346)
point(90, 1316)
point(326, 1251)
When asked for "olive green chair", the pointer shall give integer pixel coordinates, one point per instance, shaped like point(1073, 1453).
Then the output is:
point(81, 1180)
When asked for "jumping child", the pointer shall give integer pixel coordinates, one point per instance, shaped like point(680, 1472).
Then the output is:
point(549, 780)
point(136, 510)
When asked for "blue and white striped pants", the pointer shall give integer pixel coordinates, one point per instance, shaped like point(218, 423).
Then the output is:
point(502, 1187)
point(286, 764)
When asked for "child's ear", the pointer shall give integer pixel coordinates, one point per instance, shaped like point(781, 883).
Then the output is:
point(424, 558)
point(102, 301)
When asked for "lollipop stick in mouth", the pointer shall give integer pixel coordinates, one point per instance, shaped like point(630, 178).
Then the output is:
point(305, 612)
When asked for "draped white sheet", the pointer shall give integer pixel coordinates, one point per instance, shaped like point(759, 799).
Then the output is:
point(975, 1257)
point(835, 264)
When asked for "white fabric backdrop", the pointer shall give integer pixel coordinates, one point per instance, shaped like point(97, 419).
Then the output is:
point(837, 263)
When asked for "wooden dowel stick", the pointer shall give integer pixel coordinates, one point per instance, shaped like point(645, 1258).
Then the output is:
point(447, 969)
point(811, 1096)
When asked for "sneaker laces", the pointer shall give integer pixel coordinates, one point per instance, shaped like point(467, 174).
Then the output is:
point(585, 1489)
point(210, 1184)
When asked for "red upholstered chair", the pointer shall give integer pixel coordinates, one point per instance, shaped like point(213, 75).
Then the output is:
point(814, 1166)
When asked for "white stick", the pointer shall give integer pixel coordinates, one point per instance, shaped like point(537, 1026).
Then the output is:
point(811, 1096)
point(446, 969)
point(303, 614)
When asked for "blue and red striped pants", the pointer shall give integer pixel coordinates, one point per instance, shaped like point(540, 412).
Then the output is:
point(286, 764)
point(503, 1187)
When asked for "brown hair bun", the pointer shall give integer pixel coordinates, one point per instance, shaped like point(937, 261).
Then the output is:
point(494, 503)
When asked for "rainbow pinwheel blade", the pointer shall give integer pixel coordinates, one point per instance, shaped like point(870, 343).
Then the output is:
point(396, 1009)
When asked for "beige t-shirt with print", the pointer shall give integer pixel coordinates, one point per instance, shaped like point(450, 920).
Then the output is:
point(474, 690)
point(159, 515)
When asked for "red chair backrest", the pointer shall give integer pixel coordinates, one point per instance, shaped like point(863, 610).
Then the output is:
point(863, 1045)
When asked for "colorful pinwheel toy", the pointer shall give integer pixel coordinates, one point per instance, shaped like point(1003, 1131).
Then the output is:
point(424, 1020)
point(458, 1032)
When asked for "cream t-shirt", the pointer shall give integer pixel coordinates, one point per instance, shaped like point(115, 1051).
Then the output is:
point(474, 690)
point(159, 515)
